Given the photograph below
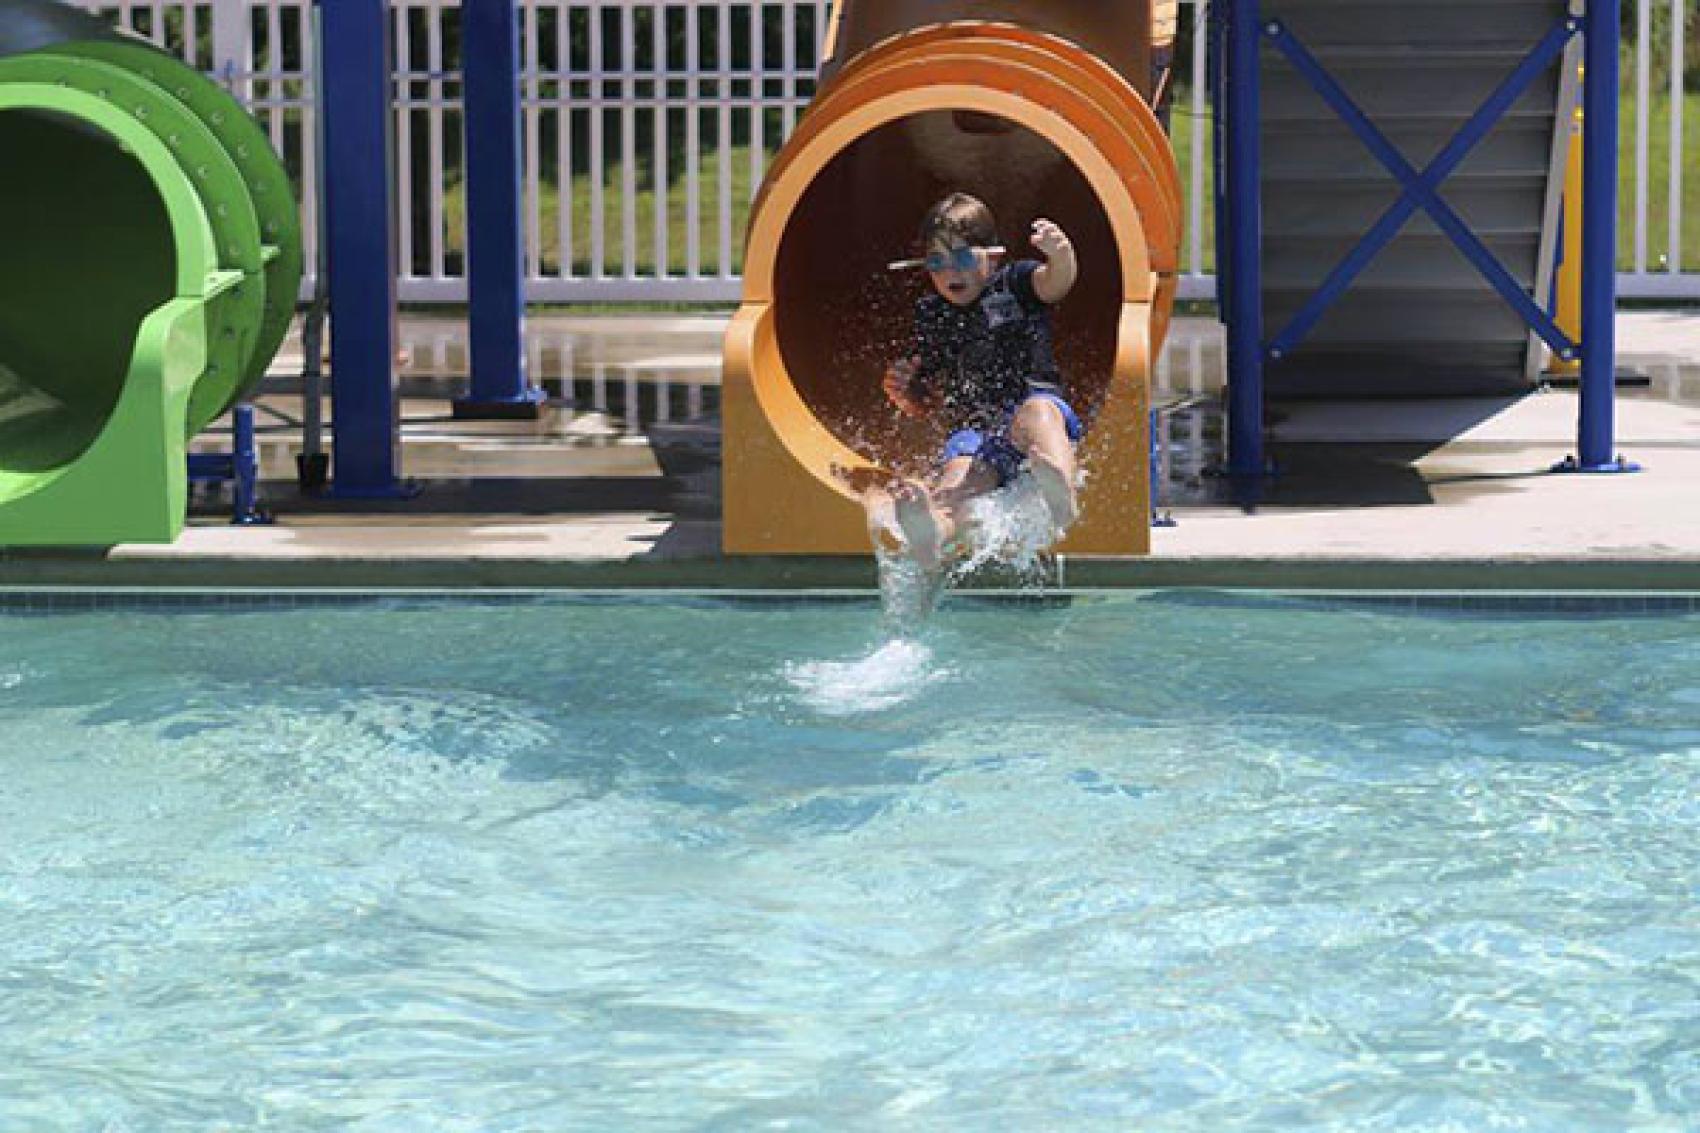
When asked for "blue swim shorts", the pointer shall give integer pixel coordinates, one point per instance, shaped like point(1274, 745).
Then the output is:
point(992, 446)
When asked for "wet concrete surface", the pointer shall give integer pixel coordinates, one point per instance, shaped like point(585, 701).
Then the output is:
point(632, 423)
point(622, 466)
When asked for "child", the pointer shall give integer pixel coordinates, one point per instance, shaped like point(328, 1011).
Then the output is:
point(983, 361)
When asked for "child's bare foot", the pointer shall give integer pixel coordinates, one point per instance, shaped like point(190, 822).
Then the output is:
point(1057, 489)
point(882, 522)
point(920, 523)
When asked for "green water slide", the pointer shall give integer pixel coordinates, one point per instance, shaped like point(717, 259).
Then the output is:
point(150, 257)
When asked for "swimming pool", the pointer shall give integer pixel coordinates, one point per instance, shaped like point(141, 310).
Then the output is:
point(1155, 862)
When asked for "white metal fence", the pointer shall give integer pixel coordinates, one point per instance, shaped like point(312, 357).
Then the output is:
point(648, 125)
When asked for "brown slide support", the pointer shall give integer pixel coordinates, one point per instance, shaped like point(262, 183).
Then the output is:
point(1038, 107)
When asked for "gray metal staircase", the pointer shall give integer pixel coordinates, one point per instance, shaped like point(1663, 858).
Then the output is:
point(1420, 321)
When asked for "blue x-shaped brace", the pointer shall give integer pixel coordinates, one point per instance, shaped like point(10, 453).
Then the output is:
point(1420, 188)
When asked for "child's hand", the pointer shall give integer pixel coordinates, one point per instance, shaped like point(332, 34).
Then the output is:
point(899, 385)
point(1053, 279)
point(1051, 241)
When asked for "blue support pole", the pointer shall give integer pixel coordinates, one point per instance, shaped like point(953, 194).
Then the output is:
point(245, 469)
point(1595, 423)
point(494, 240)
point(240, 468)
point(1244, 242)
point(360, 237)
point(1154, 465)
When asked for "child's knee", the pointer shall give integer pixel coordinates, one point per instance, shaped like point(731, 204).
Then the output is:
point(1037, 419)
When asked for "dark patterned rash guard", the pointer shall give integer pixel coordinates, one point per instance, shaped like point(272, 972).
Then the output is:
point(984, 359)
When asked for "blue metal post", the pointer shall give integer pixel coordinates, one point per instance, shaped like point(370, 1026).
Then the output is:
point(360, 236)
point(494, 248)
point(1245, 242)
point(245, 469)
point(1154, 465)
point(240, 468)
point(1599, 240)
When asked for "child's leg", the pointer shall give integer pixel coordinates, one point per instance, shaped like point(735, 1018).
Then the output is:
point(883, 527)
point(930, 518)
point(959, 481)
point(1040, 431)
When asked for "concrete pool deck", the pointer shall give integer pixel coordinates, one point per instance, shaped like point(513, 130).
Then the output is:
point(1373, 495)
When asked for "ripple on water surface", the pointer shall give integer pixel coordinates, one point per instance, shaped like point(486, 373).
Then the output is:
point(689, 864)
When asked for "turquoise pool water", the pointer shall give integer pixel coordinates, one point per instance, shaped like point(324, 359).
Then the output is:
point(1134, 863)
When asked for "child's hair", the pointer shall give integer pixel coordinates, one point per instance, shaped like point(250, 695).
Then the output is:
point(958, 218)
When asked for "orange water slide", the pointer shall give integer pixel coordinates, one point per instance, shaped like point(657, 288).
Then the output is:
point(1038, 108)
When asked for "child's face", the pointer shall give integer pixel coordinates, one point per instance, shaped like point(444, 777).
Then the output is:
point(959, 272)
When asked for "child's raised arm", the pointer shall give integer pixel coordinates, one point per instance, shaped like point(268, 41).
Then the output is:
point(1053, 279)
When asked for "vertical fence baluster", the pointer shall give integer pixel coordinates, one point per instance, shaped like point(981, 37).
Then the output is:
point(788, 48)
point(723, 199)
point(598, 167)
point(403, 23)
point(437, 117)
point(757, 89)
point(1678, 30)
point(232, 48)
point(274, 84)
point(531, 157)
point(307, 100)
point(628, 142)
point(1643, 112)
point(693, 142)
point(658, 138)
point(564, 140)
point(1197, 168)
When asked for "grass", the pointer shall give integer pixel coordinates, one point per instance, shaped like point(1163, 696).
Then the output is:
point(644, 252)
point(1658, 182)
point(1182, 127)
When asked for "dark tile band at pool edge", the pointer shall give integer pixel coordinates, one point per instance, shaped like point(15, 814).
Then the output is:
point(21, 601)
point(133, 568)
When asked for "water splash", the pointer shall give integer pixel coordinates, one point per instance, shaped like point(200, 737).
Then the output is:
point(894, 673)
point(1009, 528)
point(908, 594)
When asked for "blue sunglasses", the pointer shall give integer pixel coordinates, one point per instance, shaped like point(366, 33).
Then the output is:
point(960, 258)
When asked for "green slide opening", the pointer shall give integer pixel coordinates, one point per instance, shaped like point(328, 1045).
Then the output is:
point(89, 254)
point(150, 257)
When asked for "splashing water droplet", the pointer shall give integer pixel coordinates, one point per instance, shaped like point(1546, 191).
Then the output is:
point(1011, 528)
point(895, 672)
point(908, 594)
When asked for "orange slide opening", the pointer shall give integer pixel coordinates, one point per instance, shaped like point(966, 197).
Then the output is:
point(1034, 124)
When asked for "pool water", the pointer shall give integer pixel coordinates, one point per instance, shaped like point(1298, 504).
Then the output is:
point(1123, 863)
